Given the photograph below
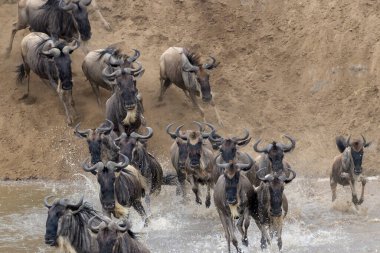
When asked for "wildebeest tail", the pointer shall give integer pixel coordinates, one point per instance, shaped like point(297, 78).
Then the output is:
point(170, 179)
point(341, 143)
point(21, 73)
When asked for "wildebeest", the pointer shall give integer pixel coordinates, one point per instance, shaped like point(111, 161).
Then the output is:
point(50, 61)
point(66, 226)
point(100, 142)
point(123, 107)
point(57, 18)
point(270, 206)
point(118, 191)
point(232, 192)
point(199, 164)
point(347, 167)
point(228, 148)
point(272, 158)
point(105, 60)
point(183, 68)
point(132, 147)
point(116, 237)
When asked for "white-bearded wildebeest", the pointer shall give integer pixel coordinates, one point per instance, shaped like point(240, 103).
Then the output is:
point(270, 206)
point(232, 192)
point(272, 158)
point(228, 148)
point(67, 226)
point(183, 68)
point(123, 107)
point(116, 237)
point(100, 142)
point(200, 164)
point(105, 60)
point(53, 17)
point(50, 61)
point(347, 167)
point(132, 147)
point(118, 191)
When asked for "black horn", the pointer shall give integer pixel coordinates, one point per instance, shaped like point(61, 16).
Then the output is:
point(118, 166)
point(94, 229)
point(257, 149)
point(144, 137)
point(81, 133)
point(365, 144)
point(76, 206)
point(93, 168)
point(46, 201)
point(178, 133)
point(71, 47)
point(123, 226)
point(348, 141)
point(67, 6)
point(210, 65)
point(292, 145)
point(134, 57)
point(213, 138)
point(132, 71)
point(246, 166)
point(106, 129)
point(172, 135)
point(245, 136)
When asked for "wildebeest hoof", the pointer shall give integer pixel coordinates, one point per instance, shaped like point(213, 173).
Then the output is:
point(355, 199)
point(208, 203)
point(244, 241)
point(199, 202)
point(238, 250)
point(146, 222)
point(361, 201)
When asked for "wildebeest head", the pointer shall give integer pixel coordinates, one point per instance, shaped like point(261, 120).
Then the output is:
point(356, 150)
point(106, 179)
point(275, 152)
point(193, 65)
point(132, 146)
point(194, 141)
point(181, 144)
point(79, 12)
point(57, 210)
point(276, 189)
point(234, 199)
point(59, 53)
point(108, 232)
point(95, 139)
point(125, 81)
point(228, 147)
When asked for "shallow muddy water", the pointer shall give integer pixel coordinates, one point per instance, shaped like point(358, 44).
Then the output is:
point(313, 224)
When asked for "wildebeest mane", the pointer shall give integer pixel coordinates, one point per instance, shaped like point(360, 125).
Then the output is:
point(74, 228)
point(341, 143)
point(194, 57)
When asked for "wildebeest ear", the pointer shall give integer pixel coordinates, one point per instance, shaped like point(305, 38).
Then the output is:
point(244, 142)
point(368, 144)
point(139, 74)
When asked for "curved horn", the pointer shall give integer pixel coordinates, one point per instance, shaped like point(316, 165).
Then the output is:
point(213, 139)
point(76, 206)
point(204, 134)
point(53, 52)
point(67, 7)
point(94, 229)
point(115, 61)
point(292, 145)
point(179, 135)
point(224, 165)
point(199, 124)
point(84, 3)
point(257, 149)
point(210, 65)
point(123, 135)
point(112, 75)
point(81, 133)
point(46, 201)
point(71, 47)
point(212, 128)
point(116, 166)
point(122, 226)
point(245, 136)
point(290, 179)
point(268, 177)
point(132, 71)
point(93, 168)
point(348, 141)
point(173, 135)
point(134, 57)
point(365, 143)
point(246, 166)
point(106, 129)
point(144, 137)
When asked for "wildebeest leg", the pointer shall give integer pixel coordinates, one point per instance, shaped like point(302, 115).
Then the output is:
point(68, 103)
point(333, 186)
point(96, 8)
point(147, 202)
point(95, 89)
point(363, 181)
point(353, 191)
point(195, 188)
point(245, 218)
point(208, 197)
point(140, 209)
point(276, 229)
point(196, 105)
point(165, 83)
point(223, 219)
point(182, 186)
point(232, 233)
point(20, 24)
point(284, 204)
point(264, 235)
point(84, 47)
point(220, 122)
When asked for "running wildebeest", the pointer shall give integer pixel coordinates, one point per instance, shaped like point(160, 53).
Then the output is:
point(118, 191)
point(100, 142)
point(105, 60)
point(116, 237)
point(147, 164)
point(199, 164)
point(228, 148)
point(272, 158)
point(123, 107)
point(347, 167)
point(183, 68)
point(52, 62)
point(272, 206)
point(66, 226)
point(57, 18)
point(232, 192)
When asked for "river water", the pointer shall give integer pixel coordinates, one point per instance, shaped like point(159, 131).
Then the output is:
point(313, 224)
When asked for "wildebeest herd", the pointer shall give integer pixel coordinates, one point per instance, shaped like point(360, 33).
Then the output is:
point(243, 187)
